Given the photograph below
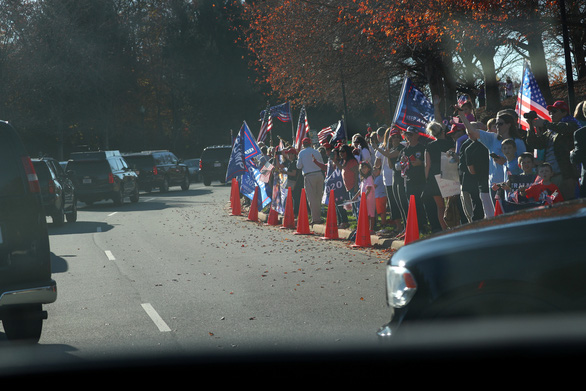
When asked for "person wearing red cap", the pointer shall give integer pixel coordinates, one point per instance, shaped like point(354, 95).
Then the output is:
point(313, 178)
point(556, 139)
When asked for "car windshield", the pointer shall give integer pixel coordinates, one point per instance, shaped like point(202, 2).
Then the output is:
point(142, 162)
point(89, 167)
point(356, 157)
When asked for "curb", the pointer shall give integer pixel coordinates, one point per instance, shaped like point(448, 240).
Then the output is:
point(344, 234)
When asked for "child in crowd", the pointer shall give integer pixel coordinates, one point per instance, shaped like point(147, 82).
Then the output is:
point(380, 195)
point(543, 191)
point(509, 149)
point(367, 188)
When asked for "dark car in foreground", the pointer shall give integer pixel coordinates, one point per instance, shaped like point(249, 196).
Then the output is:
point(214, 163)
point(57, 191)
point(158, 169)
point(25, 258)
point(103, 175)
point(524, 263)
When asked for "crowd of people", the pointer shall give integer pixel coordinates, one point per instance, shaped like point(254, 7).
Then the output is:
point(498, 168)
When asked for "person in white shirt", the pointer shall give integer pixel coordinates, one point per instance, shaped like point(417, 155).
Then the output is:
point(313, 178)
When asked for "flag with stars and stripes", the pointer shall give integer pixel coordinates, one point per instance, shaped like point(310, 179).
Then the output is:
point(322, 135)
point(530, 98)
point(265, 126)
point(302, 128)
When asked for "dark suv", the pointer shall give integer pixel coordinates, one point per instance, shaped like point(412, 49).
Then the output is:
point(57, 191)
point(25, 258)
point(103, 175)
point(158, 169)
point(214, 163)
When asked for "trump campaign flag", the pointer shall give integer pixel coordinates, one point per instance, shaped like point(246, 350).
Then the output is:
point(530, 98)
point(243, 150)
point(413, 108)
point(336, 131)
point(250, 180)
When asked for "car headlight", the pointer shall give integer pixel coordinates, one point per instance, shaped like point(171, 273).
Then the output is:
point(401, 286)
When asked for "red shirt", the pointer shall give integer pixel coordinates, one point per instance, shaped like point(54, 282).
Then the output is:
point(539, 191)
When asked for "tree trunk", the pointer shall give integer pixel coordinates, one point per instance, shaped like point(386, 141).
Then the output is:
point(491, 86)
point(538, 65)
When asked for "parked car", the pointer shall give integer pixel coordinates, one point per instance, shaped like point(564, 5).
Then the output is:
point(159, 169)
point(214, 163)
point(193, 167)
point(526, 262)
point(103, 175)
point(25, 258)
point(57, 191)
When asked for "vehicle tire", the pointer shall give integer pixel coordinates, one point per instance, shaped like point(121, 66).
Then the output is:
point(72, 216)
point(165, 186)
point(59, 216)
point(185, 184)
point(135, 196)
point(119, 197)
point(207, 181)
point(24, 323)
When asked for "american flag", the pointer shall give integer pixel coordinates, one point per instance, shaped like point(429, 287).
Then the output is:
point(322, 135)
point(266, 125)
point(302, 128)
point(530, 98)
point(462, 99)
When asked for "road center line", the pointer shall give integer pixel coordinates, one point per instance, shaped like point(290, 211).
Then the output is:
point(159, 322)
point(112, 214)
point(110, 255)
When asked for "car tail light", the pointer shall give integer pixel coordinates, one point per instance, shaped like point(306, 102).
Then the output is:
point(401, 286)
point(31, 175)
point(51, 186)
point(155, 172)
point(110, 178)
point(200, 164)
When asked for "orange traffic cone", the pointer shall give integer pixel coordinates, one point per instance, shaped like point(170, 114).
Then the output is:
point(302, 218)
point(363, 228)
point(498, 210)
point(273, 217)
point(412, 226)
point(232, 192)
point(253, 212)
point(331, 219)
point(289, 216)
point(236, 207)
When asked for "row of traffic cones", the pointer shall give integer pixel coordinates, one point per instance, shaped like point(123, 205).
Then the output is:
point(331, 232)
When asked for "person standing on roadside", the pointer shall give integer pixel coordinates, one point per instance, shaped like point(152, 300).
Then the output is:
point(313, 178)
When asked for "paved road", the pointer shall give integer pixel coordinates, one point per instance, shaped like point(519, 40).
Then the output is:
point(176, 273)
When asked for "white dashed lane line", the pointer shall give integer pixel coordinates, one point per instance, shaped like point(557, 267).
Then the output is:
point(156, 318)
point(110, 255)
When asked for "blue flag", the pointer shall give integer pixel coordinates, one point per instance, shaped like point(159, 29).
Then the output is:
point(334, 182)
point(250, 180)
point(282, 112)
point(413, 108)
point(340, 133)
point(243, 149)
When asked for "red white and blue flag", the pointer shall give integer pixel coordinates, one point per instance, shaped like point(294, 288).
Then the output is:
point(302, 128)
point(282, 112)
point(530, 98)
point(322, 135)
point(265, 126)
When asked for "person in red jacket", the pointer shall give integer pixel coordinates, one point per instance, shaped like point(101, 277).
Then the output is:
point(544, 191)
